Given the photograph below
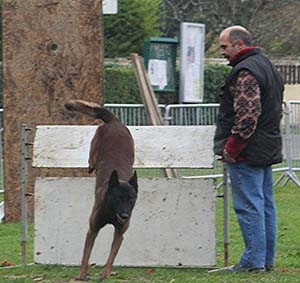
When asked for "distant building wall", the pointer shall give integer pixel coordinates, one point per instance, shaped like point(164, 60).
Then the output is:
point(292, 92)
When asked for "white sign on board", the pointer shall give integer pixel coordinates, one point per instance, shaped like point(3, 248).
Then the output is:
point(192, 62)
point(110, 6)
point(157, 72)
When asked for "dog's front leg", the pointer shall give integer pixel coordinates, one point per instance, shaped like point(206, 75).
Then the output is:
point(117, 241)
point(88, 246)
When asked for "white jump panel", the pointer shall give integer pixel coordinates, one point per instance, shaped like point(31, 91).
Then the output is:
point(155, 146)
point(172, 224)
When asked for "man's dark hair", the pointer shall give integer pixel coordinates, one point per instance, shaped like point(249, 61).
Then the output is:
point(245, 36)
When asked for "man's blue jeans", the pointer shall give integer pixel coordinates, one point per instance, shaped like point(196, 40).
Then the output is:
point(253, 201)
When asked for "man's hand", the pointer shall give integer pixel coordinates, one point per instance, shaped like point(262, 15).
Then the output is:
point(227, 158)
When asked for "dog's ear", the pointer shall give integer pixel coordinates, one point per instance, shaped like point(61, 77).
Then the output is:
point(114, 179)
point(133, 181)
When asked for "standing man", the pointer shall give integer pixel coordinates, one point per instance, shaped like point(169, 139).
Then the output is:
point(249, 140)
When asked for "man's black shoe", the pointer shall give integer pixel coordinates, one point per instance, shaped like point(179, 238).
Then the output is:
point(241, 268)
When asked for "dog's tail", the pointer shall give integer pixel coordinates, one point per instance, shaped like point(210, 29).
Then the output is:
point(91, 109)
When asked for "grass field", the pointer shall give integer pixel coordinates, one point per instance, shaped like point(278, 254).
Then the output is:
point(287, 265)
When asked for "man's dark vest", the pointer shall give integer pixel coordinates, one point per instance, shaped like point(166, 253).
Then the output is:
point(265, 145)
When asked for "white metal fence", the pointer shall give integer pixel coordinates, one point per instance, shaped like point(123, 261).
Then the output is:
point(291, 139)
point(132, 114)
point(191, 114)
point(174, 114)
point(294, 124)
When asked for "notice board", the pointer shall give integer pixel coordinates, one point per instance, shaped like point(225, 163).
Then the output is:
point(160, 62)
point(192, 62)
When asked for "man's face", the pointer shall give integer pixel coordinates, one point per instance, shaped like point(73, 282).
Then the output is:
point(227, 49)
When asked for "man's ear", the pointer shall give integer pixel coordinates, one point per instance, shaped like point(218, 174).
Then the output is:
point(114, 179)
point(239, 44)
point(133, 181)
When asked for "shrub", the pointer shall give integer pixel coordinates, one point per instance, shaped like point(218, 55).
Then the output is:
point(214, 78)
point(120, 85)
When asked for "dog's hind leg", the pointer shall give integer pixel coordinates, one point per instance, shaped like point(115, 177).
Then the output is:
point(88, 246)
point(117, 241)
point(94, 149)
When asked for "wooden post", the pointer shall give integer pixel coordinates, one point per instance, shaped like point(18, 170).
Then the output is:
point(150, 102)
point(52, 52)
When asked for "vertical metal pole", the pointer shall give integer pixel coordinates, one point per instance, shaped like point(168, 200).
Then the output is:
point(24, 153)
point(287, 112)
point(226, 215)
point(2, 189)
point(1, 152)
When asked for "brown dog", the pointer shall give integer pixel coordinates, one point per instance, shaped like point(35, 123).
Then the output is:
point(112, 156)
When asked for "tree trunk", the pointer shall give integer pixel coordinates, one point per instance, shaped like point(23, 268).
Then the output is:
point(52, 52)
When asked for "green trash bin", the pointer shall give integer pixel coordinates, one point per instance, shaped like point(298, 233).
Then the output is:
point(160, 62)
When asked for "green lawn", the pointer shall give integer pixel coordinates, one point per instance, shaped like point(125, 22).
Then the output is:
point(287, 267)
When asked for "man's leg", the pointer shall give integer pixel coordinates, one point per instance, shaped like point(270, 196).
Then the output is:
point(248, 201)
point(270, 217)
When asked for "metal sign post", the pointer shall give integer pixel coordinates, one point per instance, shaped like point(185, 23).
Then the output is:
point(2, 189)
point(226, 215)
point(24, 159)
point(225, 220)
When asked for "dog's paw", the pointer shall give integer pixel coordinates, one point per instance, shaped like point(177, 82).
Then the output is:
point(104, 276)
point(81, 277)
point(107, 274)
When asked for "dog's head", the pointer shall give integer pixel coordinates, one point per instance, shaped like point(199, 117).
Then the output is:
point(123, 196)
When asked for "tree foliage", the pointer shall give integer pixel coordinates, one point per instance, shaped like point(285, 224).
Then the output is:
point(256, 15)
point(125, 32)
point(273, 23)
point(216, 15)
point(278, 30)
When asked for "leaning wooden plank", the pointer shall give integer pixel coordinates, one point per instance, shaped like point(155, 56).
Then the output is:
point(155, 146)
point(145, 91)
point(173, 223)
point(150, 102)
point(151, 94)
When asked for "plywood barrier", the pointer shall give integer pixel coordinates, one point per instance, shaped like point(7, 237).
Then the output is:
point(173, 223)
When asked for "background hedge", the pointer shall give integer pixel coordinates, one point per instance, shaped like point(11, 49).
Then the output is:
point(120, 85)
